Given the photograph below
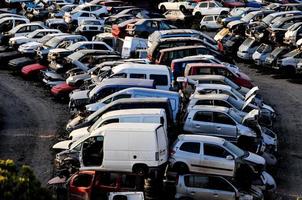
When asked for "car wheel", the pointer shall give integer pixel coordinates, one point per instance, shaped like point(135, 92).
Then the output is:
point(163, 8)
point(181, 168)
point(203, 28)
point(224, 13)
point(198, 15)
point(182, 9)
point(140, 169)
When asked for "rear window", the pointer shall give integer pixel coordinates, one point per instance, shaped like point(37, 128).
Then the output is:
point(159, 79)
point(141, 76)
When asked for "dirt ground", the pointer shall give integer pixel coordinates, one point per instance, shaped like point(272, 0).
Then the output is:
point(284, 94)
point(29, 123)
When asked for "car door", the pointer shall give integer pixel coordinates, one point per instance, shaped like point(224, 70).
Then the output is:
point(202, 122)
point(197, 187)
point(212, 9)
point(190, 151)
point(224, 126)
point(220, 188)
point(216, 160)
point(80, 186)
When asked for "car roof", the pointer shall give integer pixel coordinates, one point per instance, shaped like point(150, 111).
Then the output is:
point(206, 77)
point(144, 111)
point(202, 138)
point(172, 39)
point(210, 96)
point(191, 58)
point(212, 86)
point(126, 81)
point(182, 47)
point(205, 65)
point(210, 108)
point(138, 66)
point(127, 127)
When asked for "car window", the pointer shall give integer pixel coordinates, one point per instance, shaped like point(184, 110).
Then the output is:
point(217, 183)
point(196, 181)
point(207, 19)
point(82, 180)
point(100, 47)
point(192, 147)
point(141, 76)
point(205, 102)
point(129, 181)
point(23, 29)
point(122, 96)
point(119, 75)
point(108, 179)
point(222, 103)
point(163, 26)
point(110, 121)
point(203, 5)
point(223, 119)
point(159, 79)
point(33, 28)
point(214, 150)
point(211, 5)
point(154, 24)
point(203, 116)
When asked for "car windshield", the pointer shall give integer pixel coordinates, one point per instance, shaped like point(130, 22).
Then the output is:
point(261, 48)
point(234, 149)
point(232, 84)
point(91, 22)
point(32, 34)
point(268, 19)
point(292, 53)
point(277, 51)
point(53, 42)
point(74, 46)
point(219, 4)
point(94, 125)
point(235, 115)
point(248, 42)
point(75, 56)
point(237, 94)
point(248, 17)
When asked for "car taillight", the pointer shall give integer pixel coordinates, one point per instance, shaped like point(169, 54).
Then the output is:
point(149, 56)
point(176, 179)
point(157, 156)
point(220, 46)
point(172, 67)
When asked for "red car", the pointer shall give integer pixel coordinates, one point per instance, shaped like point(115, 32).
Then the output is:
point(218, 69)
point(233, 3)
point(62, 90)
point(97, 184)
point(32, 70)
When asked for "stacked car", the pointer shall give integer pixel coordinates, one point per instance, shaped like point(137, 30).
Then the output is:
point(149, 98)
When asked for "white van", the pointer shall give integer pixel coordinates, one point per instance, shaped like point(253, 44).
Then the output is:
point(159, 73)
point(125, 147)
point(118, 116)
point(132, 45)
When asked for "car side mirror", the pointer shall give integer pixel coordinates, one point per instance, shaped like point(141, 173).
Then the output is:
point(229, 157)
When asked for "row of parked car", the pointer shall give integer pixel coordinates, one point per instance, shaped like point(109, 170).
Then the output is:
point(269, 38)
point(166, 106)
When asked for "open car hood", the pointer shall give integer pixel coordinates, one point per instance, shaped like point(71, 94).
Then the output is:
point(248, 101)
point(251, 115)
point(251, 92)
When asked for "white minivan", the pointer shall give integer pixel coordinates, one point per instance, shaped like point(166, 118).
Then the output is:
point(159, 73)
point(125, 147)
point(118, 116)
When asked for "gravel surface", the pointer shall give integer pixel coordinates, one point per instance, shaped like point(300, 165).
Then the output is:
point(284, 94)
point(30, 122)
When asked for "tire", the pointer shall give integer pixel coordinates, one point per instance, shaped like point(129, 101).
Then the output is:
point(224, 13)
point(181, 168)
point(163, 8)
point(182, 9)
point(198, 15)
point(140, 169)
point(203, 28)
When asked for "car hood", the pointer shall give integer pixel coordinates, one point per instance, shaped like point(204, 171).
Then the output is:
point(251, 92)
point(62, 145)
point(74, 122)
point(58, 50)
point(53, 75)
point(31, 45)
point(248, 101)
point(255, 159)
point(251, 115)
point(234, 23)
point(78, 133)
point(19, 38)
point(83, 94)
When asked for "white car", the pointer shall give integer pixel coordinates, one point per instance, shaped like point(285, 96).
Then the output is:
point(31, 47)
point(247, 48)
point(209, 8)
point(88, 25)
point(261, 53)
point(210, 23)
point(290, 61)
point(31, 37)
point(23, 29)
point(181, 5)
point(77, 17)
point(212, 155)
point(97, 10)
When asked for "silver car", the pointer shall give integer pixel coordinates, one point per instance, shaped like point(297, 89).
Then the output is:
point(197, 186)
